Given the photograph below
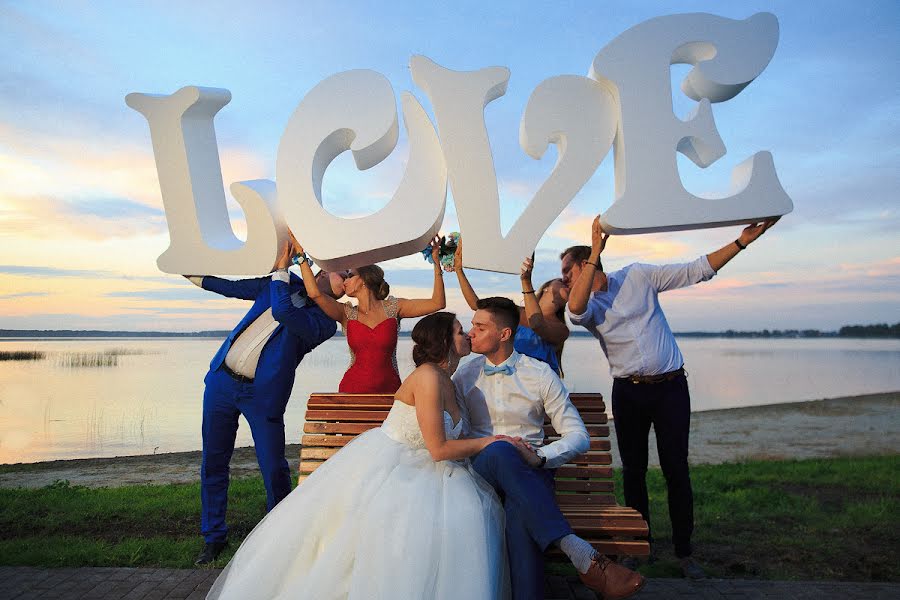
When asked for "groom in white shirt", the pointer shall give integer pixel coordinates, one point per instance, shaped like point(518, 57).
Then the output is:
point(507, 393)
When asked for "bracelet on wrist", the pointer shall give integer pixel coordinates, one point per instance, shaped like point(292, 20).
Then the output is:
point(595, 265)
point(740, 246)
point(527, 291)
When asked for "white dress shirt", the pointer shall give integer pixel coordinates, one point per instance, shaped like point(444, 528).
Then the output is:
point(516, 404)
point(243, 356)
point(629, 322)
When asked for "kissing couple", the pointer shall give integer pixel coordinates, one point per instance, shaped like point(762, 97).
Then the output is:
point(452, 497)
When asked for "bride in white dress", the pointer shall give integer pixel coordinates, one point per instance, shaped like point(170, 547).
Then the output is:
point(396, 514)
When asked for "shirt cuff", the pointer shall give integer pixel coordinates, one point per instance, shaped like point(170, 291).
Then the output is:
point(196, 280)
point(282, 276)
point(706, 268)
point(577, 319)
point(555, 457)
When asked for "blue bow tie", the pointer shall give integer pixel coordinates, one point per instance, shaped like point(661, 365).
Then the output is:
point(505, 369)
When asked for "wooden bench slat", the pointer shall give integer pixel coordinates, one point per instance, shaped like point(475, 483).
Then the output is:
point(590, 406)
point(374, 408)
point(581, 485)
point(594, 418)
point(612, 547)
point(346, 415)
point(613, 511)
point(585, 472)
point(593, 431)
point(632, 528)
point(348, 428)
point(596, 444)
point(600, 529)
point(592, 458)
point(352, 399)
point(329, 441)
point(584, 499)
point(308, 466)
point(317, 453)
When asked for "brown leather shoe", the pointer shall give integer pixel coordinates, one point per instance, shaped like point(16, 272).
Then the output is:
point(610, 580)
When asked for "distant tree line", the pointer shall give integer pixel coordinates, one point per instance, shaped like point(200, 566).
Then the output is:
point(880, 330)
point(90, 333)
point(765, 333)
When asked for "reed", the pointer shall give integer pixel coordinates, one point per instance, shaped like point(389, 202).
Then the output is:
point(127, 351)
point(22, 355)
point(105, 358)
point(86, 359)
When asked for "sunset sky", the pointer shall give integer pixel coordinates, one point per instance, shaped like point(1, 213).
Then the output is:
point(82, 220)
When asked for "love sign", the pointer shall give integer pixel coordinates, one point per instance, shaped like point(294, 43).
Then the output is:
point(624, 103)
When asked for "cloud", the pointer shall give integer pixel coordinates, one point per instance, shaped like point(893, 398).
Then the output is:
point(53, 272)
point(22, 295)
point(188, 293)
point(576, 229)
point(90, 219)
point(187, 310)
point(32, 271)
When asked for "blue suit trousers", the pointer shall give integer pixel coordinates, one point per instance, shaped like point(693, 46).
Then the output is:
point(533, 519)
point(223, 400)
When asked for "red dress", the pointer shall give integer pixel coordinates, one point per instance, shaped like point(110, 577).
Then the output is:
point(373, 354)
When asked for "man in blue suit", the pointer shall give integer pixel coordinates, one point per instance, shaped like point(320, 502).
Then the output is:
point(252, 375)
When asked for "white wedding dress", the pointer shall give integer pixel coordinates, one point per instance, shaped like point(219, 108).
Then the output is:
point(379, 519)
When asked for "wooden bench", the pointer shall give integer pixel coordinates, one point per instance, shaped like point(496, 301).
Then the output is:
point(584, 487)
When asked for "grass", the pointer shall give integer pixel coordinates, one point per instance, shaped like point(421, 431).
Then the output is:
point(835, 519)
point(106, 358)
point(814, 519)
point(21, 355)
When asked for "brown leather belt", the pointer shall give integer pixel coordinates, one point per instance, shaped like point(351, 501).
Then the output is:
point(638, 379)
point(237, 376)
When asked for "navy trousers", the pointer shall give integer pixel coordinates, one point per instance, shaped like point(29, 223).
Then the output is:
point(667, 406)
point(533, 520)
point(223, 400)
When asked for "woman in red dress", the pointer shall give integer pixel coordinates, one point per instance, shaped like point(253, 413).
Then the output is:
point(372, 325)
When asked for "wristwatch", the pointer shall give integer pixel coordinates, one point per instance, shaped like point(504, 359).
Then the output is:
point(543, 459)
point(302, 257)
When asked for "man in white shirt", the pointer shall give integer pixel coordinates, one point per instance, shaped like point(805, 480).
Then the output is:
point(252, 374)
point(622, 311)
point(507, 393)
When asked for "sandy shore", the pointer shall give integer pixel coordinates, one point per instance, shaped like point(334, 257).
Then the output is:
point(857, 425)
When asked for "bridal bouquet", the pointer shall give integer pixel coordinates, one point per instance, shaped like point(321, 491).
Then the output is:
point(447, 250)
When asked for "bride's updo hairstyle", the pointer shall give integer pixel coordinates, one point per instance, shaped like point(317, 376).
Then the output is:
point(433, 336)
point(373, 277)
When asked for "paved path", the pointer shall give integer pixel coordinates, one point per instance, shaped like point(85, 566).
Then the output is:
point(108, 583)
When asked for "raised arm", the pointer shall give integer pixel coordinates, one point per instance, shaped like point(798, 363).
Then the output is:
point(464, 285)
point(420, 307)
point(243, 289)
point(307, 322)
point(330, 306)
point(430, 415)
point(547, 326)
point(580, 291)
point(720, 257)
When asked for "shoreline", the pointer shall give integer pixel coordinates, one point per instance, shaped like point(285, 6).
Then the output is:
point(847, 426)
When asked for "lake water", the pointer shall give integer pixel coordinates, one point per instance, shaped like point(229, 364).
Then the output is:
point(151, 400)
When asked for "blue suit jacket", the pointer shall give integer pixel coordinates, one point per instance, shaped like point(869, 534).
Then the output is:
point(299, 330)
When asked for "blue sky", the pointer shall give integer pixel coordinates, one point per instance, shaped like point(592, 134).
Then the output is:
point(81, 219)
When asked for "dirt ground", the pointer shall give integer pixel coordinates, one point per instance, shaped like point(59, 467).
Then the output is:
point(858, 425)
